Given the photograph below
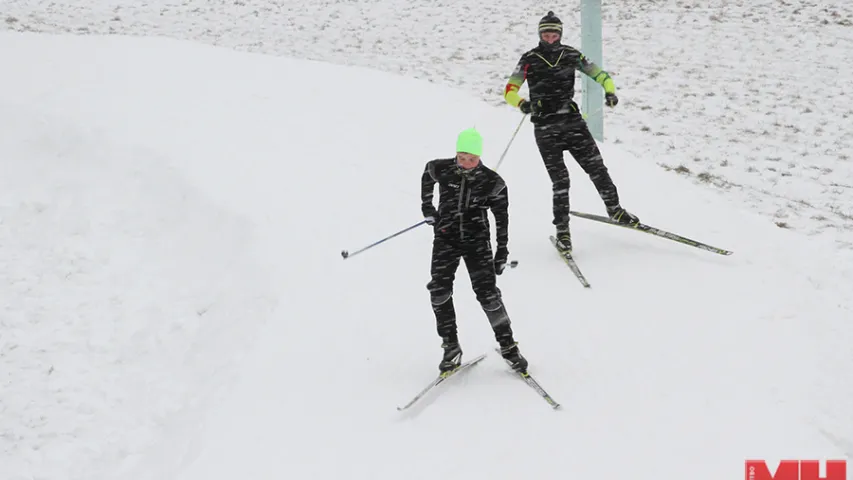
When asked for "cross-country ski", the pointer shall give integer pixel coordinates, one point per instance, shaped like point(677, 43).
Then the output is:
point(570, 262)
point(532, 383)
point(641, 227)
point(441, 378)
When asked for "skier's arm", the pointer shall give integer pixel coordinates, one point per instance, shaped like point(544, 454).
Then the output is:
point(514, 83)
point(428, 190)
point(500, 209)
point(595, 72)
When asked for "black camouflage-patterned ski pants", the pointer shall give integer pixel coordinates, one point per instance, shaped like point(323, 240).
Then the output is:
point(575, 137)
point(447, 252)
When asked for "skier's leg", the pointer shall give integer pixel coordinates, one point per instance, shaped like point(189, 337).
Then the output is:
point(551, 147)
point(584, 150)
point(582, 147)
point(479, 262)
point(445, 261)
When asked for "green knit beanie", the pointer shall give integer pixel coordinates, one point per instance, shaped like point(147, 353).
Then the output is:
point(470, 141)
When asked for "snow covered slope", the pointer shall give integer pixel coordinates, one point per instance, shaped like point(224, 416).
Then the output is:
point(175, 305)
point(746, 97)
point(124, 291)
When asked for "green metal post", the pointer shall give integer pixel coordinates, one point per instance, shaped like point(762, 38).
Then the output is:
point(592, 93)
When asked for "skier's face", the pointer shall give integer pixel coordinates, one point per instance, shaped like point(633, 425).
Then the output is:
point(467, 160)
point(550, 37)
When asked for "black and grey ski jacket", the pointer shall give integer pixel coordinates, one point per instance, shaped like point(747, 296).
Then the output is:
point(465, 196)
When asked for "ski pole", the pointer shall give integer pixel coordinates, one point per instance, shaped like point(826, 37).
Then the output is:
point(346, 254)
point(585, 115)
point(510, 142)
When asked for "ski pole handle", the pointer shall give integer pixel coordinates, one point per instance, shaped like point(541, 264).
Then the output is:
point(511, 264)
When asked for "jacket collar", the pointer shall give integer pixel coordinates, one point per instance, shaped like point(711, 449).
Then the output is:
point(471, 174)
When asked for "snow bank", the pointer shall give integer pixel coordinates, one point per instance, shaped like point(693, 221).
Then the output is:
point(125, 297)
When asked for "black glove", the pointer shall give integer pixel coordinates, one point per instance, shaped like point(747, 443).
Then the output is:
point(525, 106)
point(432, 219)
point(610, 99)
point(430, 215)
point(501, 256)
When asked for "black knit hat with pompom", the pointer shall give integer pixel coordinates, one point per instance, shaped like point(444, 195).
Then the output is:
point(550, 23)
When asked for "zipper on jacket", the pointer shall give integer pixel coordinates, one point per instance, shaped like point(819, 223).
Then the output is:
point(459, 210)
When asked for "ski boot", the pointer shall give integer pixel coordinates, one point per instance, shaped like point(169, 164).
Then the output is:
point(620, 215)
point(510, 353)
point(564, 241)
point(452, 356)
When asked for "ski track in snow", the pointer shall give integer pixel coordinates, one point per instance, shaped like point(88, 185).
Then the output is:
point(739, 96)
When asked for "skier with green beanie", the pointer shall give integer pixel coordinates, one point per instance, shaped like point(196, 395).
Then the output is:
point(467, 191)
